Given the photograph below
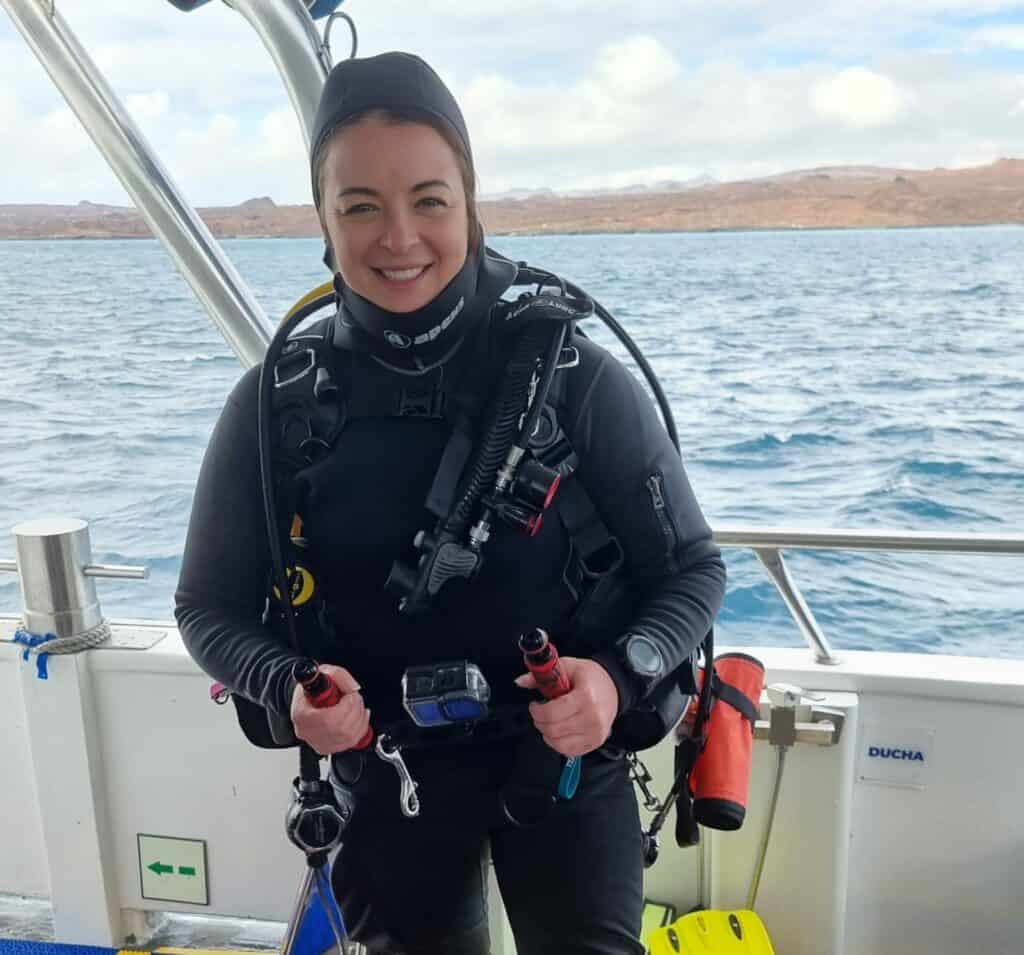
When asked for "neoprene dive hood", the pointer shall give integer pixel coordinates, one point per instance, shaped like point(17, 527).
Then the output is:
point(403, 82)
point(398, 81)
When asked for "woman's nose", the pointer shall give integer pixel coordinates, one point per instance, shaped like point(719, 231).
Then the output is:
point(399, 232)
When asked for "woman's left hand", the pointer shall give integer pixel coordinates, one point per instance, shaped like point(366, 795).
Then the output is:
point(580, 721)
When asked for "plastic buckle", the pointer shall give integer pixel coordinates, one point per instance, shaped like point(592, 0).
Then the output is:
point(569, 357)
point(310, 356)
point(427, 402)
point(607, 559)
point(313, 449)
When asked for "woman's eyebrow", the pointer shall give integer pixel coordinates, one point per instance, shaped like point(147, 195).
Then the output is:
point(357, 191)
point(367, 191)
point(429, 184)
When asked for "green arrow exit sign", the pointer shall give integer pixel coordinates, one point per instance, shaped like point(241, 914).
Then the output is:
point(173, 869)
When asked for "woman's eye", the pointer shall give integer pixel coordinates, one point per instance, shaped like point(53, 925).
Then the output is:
point(432, 202)
point(358, 209)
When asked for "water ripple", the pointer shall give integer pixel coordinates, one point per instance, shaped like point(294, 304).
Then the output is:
point(819, 379)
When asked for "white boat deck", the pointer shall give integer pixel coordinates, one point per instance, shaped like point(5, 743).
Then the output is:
point(917, 857)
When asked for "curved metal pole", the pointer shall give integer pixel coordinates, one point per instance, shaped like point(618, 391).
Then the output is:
point(290, 36)
point(195, 252)
point(798, 609)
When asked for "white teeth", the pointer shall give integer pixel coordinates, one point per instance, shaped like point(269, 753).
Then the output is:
point(403, 275)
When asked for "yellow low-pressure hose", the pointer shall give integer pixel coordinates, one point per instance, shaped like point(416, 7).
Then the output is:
point(316, 293)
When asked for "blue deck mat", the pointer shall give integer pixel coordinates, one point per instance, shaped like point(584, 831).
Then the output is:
point(16, 947)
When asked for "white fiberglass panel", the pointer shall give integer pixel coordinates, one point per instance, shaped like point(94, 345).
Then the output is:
point(937, 863)
point(23, 866)
point(177, 765)
point(801, 895)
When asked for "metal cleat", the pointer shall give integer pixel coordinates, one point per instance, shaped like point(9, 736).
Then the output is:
point(790, 715)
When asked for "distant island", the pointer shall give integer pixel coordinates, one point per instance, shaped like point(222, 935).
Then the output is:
point(831, 198)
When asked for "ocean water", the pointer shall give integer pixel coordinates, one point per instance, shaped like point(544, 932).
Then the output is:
point(861, 379)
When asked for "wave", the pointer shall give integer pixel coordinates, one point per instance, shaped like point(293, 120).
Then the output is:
point(862, 378)
point(165, 562)
point(940, 469)
point(757, 600)
point(15, 404)
point(772, 441)
point(171, 504)
point(941, 473)
point(784, 311)
point(892, 504)
point(982, 289)
point(77, 438)
point(200, 358)
point(160, 439)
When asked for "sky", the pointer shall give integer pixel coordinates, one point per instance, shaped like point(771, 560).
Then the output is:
point(559, 94)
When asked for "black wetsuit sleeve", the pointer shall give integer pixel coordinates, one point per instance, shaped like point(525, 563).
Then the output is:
point(636, 479)
point(222, 587)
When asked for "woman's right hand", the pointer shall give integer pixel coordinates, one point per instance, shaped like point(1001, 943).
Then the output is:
point(332, 729)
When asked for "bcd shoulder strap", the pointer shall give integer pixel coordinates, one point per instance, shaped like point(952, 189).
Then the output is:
point(596, 577)
point(308, 410)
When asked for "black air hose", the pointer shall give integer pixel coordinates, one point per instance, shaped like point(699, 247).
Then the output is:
point(507, 409)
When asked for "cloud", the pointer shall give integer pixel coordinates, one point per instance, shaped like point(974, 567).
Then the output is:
point(147, 105)
point(632, 94)
point(1007, 37)
point(724, 118)
point(858, 97)
point(235, 162)
point(638, 67)
point(54, 159)
point(282, 136)
point(221, 132)
point(575, 94)
point(217, 160)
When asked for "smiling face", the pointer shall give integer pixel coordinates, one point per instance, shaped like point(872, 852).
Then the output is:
point(395, 211)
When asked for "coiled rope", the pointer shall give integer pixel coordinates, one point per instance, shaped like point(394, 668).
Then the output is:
point(76, 643)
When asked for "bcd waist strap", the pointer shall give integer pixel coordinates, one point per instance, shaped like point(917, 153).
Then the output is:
point(535, 782)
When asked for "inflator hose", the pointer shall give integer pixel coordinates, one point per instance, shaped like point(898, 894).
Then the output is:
point(507, 409)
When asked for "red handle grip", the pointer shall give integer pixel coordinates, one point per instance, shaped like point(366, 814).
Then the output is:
point(322, 692)
point(541, 659)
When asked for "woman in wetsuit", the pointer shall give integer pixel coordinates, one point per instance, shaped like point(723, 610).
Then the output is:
point(419, 307)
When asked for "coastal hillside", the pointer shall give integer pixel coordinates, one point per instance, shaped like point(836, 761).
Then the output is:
point(831, 197)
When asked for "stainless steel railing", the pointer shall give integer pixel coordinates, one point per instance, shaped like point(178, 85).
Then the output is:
point(767, 543)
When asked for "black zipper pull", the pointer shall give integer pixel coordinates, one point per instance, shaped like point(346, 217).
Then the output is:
point(654, 486)
point(664, 519)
